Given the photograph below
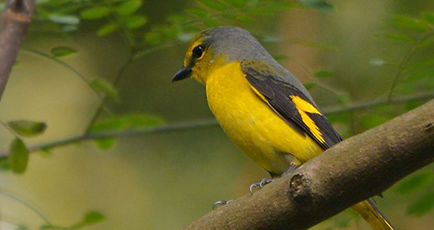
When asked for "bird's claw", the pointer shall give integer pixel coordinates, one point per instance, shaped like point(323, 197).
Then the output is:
point(220, 202)
point(259, 184)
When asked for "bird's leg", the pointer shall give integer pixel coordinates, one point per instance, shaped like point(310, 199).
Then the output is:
point(291, 169)
point(220, 202)
point(266, 181)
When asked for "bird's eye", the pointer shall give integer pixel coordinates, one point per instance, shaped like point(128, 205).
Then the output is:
point(198, 51)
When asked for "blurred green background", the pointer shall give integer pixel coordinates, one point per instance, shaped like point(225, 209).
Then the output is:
point(168, 179)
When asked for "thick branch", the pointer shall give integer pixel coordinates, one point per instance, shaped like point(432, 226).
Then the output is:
point(13, 26)
point(353, 170)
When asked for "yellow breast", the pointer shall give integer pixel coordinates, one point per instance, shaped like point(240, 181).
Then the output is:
point(252, 125)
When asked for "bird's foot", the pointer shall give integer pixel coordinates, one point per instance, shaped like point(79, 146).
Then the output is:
point(220, 202)
point(260, 184)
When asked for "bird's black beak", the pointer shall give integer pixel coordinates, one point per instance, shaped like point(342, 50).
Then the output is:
point(182, 74)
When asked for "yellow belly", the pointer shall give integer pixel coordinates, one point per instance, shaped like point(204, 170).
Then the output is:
point(252, 125)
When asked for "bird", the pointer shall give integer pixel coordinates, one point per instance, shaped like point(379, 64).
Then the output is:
point(263, 108)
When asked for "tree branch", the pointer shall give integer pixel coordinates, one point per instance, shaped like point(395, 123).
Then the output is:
point(353, 170)
point(13, 26)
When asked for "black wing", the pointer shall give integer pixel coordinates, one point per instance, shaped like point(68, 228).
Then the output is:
point(290, 103)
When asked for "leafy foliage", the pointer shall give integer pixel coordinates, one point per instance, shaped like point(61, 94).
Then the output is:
point(416, 68)
point(101, 85)
point(18, 156)
point(319, 5)
point(121, 123)
point(27, 128)
point(422, 205)
point(415, 183)
point(90, 218)
point(62, 51)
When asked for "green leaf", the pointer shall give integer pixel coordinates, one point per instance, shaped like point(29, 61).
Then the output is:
point(201, 13)
point(213, 4)
point(45, 152)
point(398, 37)
point(109, 124)
point(414, 183)
point(236, 3)
point(244, 18)
point(4, 164)
point(90, 218)
point(422, 205)
point(105, 143)
point(408, 23)
point(343, 98)
point(93, 217)
point(412, 105)
point(95, 13)
point(64, 19)
point(323, 74)
point(371, 121)
point(129, 7)
point(132, 121)
point(135, 21)
point(280, 57)
point(428, 62)
point(320, 5)
point(418, 74)
point(153, 38)
point(106, 29)
point(420, 69)
point(143, 120)
point(269, 8)
point(18, 156)
point(428, 17)
point(309, 86)
point(28, 128)
point(210, 22)
point(62, 51)
point(427, 42)
point(160, 34)
point(101, 85)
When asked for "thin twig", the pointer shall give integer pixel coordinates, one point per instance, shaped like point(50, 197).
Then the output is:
point(398, 100)
point(64, 64)
point(149, 50)
point(27, 204)
point(127, 133)
point(311, 73)
point(400, 70)
point(205, 124)
point(402, 65)
point(104, 101)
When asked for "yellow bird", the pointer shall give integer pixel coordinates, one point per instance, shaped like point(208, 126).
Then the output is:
point(261, 106)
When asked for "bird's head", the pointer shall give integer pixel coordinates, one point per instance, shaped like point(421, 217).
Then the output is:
point(215, 47)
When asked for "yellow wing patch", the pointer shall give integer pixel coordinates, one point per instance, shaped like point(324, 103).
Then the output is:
point(303, 108)
point(258, 93)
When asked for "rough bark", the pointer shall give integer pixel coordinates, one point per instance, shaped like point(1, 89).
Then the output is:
point(354, 170)
point(13, 27)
